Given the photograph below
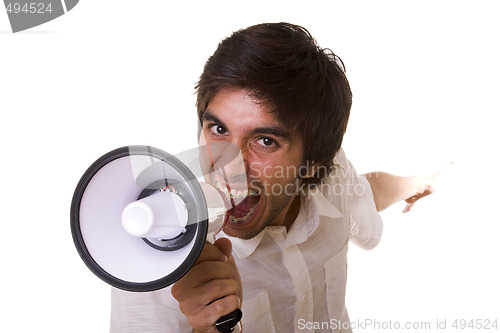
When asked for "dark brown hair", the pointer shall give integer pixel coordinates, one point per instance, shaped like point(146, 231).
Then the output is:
point(281, 65)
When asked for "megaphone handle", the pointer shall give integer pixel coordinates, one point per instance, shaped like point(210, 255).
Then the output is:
point(226, 323)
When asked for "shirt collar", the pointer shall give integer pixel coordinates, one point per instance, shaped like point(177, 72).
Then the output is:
point(320, 205)
point(244, 247)
point(313, 205)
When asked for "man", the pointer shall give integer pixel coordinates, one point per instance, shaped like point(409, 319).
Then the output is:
point(285, 102)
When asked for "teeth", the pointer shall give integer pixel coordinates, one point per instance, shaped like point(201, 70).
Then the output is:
point(233, 194)
point(242, 219)
point(243, 194)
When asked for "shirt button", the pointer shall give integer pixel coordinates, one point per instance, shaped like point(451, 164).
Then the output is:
point(303, 298)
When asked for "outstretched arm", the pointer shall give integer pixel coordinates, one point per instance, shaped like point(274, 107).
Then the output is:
point(388, 189)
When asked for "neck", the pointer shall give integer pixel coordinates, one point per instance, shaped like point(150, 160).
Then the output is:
point(292, 212)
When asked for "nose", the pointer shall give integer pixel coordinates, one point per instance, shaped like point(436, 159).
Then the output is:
point(230, 159)
point(235, 172)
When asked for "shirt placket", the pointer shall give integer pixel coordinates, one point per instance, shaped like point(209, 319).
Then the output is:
point(297, 267)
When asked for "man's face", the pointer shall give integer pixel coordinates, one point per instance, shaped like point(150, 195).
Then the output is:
point(272, 155)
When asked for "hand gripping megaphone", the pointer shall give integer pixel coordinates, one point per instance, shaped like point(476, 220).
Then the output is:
point(140, 216)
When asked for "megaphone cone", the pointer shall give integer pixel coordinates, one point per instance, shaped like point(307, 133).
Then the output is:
point(140, 219)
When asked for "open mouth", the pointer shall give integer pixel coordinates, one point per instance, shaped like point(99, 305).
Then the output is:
point(244, 204)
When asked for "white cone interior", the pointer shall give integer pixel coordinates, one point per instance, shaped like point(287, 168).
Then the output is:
point(124, 256)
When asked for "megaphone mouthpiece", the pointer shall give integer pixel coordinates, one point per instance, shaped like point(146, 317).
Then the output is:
point(162, 215)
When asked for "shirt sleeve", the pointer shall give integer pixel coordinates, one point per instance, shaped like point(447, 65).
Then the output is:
point(365, 223)
point(146, 312)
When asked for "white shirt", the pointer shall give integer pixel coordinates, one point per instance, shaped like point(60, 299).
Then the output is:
point(293, 281)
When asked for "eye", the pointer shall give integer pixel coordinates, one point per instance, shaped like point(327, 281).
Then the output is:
point(217, 129)
point(267, 142)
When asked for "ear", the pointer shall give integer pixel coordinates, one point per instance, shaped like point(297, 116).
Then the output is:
point(312, 170)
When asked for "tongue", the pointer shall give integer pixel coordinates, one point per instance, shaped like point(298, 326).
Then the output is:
point(242, 208)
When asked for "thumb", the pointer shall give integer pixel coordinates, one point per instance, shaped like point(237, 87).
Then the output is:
point(225, 246)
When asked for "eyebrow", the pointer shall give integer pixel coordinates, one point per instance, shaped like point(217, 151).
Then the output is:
point(277, 131)
point(272, 130)
point(209, 116)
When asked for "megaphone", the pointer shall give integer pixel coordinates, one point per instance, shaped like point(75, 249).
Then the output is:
point(140, 216)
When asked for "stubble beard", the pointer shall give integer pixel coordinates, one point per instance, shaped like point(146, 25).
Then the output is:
point(277, 204)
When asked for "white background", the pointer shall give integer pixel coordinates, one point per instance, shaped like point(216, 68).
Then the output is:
point(425, 78)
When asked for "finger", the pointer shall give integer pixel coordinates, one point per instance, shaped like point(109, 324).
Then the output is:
point(205, 318)
point(204, 272)
point(408, 207)
point(426, 193)
point(224, 306)
point(225, 246)
point(211, 252)
point(221, 307)
point(208, 293)
point(412, 199)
